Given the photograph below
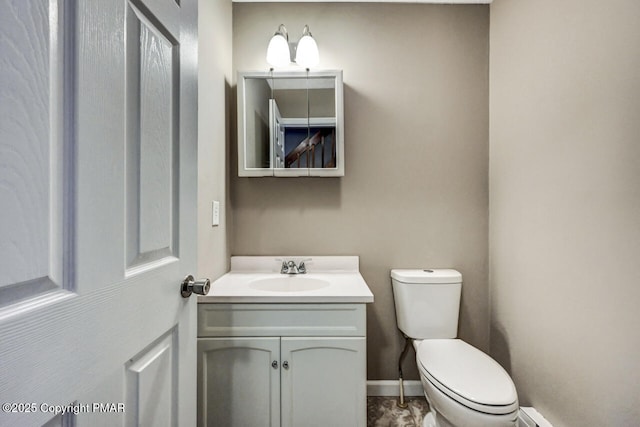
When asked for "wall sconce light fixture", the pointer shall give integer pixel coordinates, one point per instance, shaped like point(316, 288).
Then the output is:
point(307, 54)
point(279, 53)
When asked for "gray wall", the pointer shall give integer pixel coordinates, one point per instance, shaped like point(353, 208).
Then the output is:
point(214, 124)
point(565, 206)
point(415, 193)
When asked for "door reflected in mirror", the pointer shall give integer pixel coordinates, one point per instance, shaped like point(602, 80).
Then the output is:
point(290, 124)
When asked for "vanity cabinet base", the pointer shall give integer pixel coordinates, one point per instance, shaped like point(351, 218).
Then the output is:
point(282, 381)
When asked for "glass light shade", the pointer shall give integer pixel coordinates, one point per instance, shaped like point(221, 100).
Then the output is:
point(278, 51)
point(307, 54)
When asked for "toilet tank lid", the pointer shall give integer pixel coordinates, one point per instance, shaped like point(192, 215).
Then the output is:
point(427, 275)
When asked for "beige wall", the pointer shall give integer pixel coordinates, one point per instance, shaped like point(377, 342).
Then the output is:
point(214, 124)
point(415, 193)
point(565, 206)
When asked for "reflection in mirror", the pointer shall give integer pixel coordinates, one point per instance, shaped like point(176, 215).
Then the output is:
point(291, 124)
point(276, 134)
point(257, 94)
point(308, 121)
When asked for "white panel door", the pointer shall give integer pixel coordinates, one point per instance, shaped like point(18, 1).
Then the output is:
point(97, 212)
point(276, 135)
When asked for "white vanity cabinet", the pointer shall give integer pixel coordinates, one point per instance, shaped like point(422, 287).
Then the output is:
point(286, 365)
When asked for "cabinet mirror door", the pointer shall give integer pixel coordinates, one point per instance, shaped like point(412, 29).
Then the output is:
point(290, 124)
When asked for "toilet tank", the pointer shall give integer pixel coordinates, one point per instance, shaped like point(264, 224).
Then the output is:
point(427, 302)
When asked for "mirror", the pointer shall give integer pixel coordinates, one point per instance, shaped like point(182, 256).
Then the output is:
point(290, 124)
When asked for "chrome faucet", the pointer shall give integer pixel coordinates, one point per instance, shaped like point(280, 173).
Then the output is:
point(290, 267)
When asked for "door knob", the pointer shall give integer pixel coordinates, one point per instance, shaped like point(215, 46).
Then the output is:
point(190, 285)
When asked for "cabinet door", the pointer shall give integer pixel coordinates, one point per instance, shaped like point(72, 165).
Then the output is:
point(239, 385)
point(324, 383)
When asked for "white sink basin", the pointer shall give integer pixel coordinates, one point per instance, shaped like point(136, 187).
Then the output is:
point(288, 284)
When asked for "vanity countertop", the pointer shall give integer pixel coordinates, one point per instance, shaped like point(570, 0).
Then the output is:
point(329, 279)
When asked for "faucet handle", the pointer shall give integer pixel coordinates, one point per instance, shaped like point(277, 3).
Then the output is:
point(301, 267)
point(284, 268)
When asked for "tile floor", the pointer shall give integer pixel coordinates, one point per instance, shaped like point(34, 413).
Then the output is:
point(383, 411)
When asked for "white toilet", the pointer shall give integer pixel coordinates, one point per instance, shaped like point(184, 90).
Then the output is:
point(464, 386)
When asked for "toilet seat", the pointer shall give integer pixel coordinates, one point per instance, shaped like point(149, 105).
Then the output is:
point(467, 375)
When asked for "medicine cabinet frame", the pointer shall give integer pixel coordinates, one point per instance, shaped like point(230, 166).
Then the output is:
point(276, 125)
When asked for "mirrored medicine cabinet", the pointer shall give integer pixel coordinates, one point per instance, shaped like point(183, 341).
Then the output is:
point(290, 123)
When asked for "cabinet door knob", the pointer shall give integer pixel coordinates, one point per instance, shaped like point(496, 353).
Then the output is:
point(285, 364)
point(274, 364)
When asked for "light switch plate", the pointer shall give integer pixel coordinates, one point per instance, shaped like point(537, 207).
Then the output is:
point(215, 213)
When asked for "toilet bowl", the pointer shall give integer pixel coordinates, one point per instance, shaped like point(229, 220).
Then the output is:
point(463, 386)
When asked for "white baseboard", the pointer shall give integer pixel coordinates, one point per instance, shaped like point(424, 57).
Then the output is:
point(391, 388)
point(529, 417)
